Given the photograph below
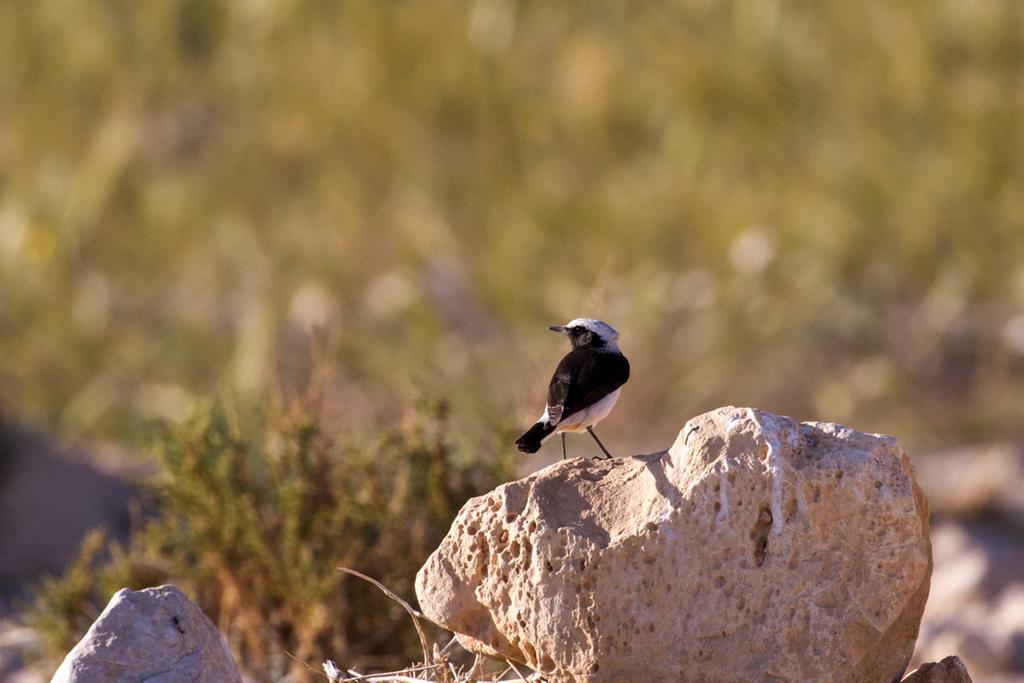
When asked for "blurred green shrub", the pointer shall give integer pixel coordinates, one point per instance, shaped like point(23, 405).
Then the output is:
point(253, 523)
point(804, 206)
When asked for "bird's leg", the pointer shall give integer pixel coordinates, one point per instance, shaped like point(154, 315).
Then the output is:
point(590, 430)
point(563, 445)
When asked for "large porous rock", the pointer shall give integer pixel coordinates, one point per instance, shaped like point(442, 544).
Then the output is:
point(156, 635)
point(754, 549)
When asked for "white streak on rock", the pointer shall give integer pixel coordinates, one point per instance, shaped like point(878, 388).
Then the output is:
point(775, 466)
point(771, 430)
point(723, 495)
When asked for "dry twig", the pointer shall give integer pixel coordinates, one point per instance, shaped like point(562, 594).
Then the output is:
point(415, 614)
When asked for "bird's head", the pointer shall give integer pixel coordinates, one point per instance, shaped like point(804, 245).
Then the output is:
point(586, 333)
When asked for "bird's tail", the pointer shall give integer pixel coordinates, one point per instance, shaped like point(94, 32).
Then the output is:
point(530, 441)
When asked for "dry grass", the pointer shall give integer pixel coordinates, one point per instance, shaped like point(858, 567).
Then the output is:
point(441, 664)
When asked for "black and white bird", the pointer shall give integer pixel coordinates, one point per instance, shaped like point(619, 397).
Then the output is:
point(585, 386)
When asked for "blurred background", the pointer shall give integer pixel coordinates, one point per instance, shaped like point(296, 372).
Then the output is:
point(210, 210)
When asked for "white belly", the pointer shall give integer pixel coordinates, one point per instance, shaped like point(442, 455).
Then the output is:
point(590, 416)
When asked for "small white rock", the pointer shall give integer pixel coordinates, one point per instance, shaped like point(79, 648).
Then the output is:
point(156, 635)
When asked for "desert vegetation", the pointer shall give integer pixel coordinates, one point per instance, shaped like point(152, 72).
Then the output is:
point(254, 525)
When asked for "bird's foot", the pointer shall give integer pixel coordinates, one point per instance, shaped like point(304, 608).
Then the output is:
point(590, 430)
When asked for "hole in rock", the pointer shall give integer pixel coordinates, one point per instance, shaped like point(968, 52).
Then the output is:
point(794, 561)
point(761, 551)
point(790, 510)
point(547, 664)
point(759, 535)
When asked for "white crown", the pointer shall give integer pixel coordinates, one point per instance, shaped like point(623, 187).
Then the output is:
point(598, 327)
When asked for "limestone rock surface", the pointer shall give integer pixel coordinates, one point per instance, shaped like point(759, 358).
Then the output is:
point(156, 635)
point(755, 548)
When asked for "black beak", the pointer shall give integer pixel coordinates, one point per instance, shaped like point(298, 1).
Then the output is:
point(557, 328)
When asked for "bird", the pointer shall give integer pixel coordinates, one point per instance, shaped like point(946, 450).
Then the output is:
point(585, 386)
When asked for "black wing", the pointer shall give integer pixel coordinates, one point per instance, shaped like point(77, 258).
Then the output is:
point(582, 378)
